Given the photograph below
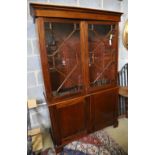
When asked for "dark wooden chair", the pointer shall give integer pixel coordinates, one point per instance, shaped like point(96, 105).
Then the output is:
point(123, 91)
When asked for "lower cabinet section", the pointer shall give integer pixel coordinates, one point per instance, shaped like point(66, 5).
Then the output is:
point(74, 118)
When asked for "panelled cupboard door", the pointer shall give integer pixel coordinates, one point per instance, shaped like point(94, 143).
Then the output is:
point(104, 107)
point(72, 118)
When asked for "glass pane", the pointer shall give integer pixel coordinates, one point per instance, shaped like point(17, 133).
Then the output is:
point(63, 51)
point(102, 54)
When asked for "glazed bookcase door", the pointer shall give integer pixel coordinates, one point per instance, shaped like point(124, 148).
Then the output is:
point(64, 57)
point(102, 48)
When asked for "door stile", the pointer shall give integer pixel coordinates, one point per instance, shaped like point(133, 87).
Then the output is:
point(84, 53)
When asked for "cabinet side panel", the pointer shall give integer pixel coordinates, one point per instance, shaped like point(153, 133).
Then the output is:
point(55, 131)
point(43, 56)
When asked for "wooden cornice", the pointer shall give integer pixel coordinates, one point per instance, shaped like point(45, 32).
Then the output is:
point(58, 11)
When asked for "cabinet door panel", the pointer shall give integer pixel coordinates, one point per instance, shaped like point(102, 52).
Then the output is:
point(104, 108)
point(64, 57)
point(72, 118)
point(102, 47)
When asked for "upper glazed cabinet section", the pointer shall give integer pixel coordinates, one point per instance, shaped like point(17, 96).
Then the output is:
point(64, 56)
point(78, 48)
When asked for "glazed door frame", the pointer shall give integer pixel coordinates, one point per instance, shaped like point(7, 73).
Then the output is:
point(44, 60)
point(100, 88)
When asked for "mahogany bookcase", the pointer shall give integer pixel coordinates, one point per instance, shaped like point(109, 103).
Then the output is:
point(79, 57)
